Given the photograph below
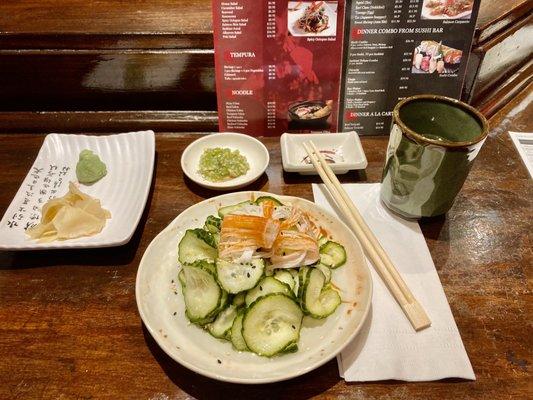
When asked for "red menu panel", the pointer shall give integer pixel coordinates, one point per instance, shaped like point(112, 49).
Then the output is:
point(278, 65)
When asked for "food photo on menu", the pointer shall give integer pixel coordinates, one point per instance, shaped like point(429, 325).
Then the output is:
point(431, 56)
point(312, 18)
point(310, 114)
point(447, 9)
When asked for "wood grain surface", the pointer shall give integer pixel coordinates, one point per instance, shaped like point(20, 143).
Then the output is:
point(110, 55)
point(105, 16)
point(193, 17)
point(495, 16)
point(70, 327)
point(108, 121)
point(509, 88)
point(107, 80)
point(502, 55)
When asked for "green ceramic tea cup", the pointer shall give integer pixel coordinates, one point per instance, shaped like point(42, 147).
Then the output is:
point(433, 142)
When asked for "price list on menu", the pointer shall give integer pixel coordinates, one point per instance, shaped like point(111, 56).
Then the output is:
point(398, 48)
point(278, 65)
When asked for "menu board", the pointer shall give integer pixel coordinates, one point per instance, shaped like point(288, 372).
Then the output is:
point(398, 48)
point(328, 66)
point(278, 65)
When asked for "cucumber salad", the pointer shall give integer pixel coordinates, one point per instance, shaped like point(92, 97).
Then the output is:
point(252, 272)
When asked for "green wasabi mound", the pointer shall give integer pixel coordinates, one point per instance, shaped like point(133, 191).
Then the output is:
point(221, 164)
point(90, 168)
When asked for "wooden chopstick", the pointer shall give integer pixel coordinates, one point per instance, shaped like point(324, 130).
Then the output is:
point(366, 229)
point(379, 258)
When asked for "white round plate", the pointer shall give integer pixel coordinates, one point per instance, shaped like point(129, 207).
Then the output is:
point(159, 297)
point(255, 152)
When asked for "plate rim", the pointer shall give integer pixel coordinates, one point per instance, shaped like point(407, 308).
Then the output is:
point(66, 244)
point(187, 364)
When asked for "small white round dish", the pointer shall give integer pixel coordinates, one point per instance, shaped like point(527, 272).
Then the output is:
point(162, 309)
point(255, 152)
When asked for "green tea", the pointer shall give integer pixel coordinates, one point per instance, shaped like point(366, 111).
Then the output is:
point(440, 121)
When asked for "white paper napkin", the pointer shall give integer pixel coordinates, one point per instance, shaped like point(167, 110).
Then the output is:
point(387, 347)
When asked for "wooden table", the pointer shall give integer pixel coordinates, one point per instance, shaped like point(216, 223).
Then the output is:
point(70, 327)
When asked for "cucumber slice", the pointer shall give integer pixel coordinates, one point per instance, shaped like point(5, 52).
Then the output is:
point(196, 244)
point(216, 239)
point(221, 306)
point(332, 254)
point(238, 300)
point(261, 199)
point(294, 273)
point(325, 270)
point(302, 276)
point(223, 211)
point(235, 277)
point(285, 277)
point(272, 324)
point(205, 264)
point(318, 301)
point(291, 348)
point(224, 301)
point(181, 277)
point(201, 293)
point(267, 285)
point(322, 240)
point(212, 224)
point(220, 327)
point(205, 236)
point(236, 332)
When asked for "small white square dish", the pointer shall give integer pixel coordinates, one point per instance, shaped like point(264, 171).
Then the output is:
point(129, 158)
point(342, 150)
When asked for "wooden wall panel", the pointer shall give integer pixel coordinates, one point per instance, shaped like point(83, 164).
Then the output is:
point(497, 15)
point(107, 80)
point(84, 41)
point(111, 17)
point(503, 94)
point(502, 56)
point(108, 121)
point(157, 54)
point(57, 18)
